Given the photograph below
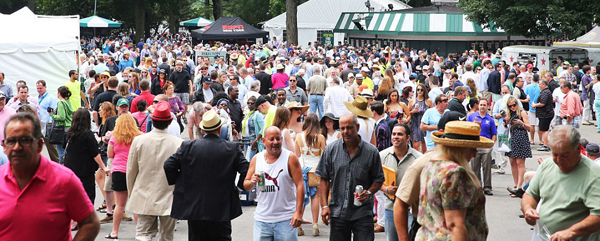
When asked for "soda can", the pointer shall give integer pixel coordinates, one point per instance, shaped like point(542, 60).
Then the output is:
point(261, 183)
point(357, 191)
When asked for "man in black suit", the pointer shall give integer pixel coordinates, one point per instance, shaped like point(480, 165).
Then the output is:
point(265, 80)
point(204, 173)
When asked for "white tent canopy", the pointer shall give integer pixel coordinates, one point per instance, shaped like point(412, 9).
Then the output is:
point(315, 15)
point(34, 47)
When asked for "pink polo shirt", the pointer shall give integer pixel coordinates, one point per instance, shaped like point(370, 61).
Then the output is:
point(44, 208)
point(279, 80)
point(571, 105)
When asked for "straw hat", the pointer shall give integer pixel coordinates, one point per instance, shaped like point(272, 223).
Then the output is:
point(359, 107)
point(210, 121)
point(295, 104)
point(462, 134)
point(280, 66)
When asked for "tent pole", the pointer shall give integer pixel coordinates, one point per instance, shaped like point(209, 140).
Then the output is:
point(95, 3)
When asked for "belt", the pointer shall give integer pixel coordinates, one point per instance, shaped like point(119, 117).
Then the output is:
point(315, 94)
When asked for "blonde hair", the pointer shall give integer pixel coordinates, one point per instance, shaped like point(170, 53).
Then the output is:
point(518, 111)
point(459, 155)
point(126, 129)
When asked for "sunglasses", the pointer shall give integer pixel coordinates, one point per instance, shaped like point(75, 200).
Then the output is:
point(292, 80)
point(250, 103)
point(155, 101)
point(511, 106)
point(420, 90)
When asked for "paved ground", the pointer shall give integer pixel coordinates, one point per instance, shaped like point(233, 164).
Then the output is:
point(502, 211)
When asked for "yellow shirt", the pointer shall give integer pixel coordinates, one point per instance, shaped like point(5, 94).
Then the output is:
point(368, 82)
point(75, 88)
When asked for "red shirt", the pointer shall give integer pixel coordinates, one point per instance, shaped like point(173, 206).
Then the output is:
point(145, 95)
point(44, 208)
point(571, 105)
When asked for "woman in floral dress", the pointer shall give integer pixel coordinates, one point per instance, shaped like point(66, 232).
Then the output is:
point(451, 202)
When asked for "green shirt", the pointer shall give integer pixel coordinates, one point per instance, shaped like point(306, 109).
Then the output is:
point(510, 85)
point(567, 198)
point(64, 113)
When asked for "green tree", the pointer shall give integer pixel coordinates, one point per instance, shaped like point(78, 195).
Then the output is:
point(533, 18)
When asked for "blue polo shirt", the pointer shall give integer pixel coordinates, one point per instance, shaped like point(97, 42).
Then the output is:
point(488, 127)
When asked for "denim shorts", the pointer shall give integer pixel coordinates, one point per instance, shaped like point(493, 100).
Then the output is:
point(281, 231)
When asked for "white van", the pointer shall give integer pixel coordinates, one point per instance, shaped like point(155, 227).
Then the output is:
point(542, 56)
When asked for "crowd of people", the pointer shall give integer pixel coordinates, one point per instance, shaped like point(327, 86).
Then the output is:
point(420, 134)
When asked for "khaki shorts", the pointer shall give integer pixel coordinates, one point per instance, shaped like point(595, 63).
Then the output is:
point(486, 94)
point(533, 120)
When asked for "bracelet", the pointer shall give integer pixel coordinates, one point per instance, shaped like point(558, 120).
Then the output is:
point(324, 207)
point(386, 189)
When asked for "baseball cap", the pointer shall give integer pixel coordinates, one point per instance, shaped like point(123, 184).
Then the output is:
point(359, 76)
point(207, 80)
point(530, 66)
point(566, 63)
point(105, 73)
point(365, 69)
point(178, 62)
point(425, 67)
point(350, 75)
point(450, 116)
point(123, 101)
point(2, 95)
point(261, 100)
point(592, 149)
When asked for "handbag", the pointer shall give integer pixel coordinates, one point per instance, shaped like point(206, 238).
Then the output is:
point(57, 133)
point(414, 228)
point(313, 179)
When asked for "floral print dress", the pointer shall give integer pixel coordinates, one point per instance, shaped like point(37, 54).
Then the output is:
point(447, 186)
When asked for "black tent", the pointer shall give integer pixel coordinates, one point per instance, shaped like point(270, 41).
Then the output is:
point(228, 28)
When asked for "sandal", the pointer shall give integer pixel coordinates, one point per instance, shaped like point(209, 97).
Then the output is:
point(102, 207)
point(109, 236)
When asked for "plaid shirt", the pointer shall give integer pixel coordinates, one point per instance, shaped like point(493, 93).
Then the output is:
point(569, 76)
point(383, 135)
point(345, 172)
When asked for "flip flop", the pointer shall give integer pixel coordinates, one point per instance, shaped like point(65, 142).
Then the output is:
point(111, 237)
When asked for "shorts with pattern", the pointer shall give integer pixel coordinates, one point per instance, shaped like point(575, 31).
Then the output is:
point(533, 120)
point(575, 122)
point(185, 97)
point(557, 121)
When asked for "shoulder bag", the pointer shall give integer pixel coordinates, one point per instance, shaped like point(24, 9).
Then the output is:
point(58, 133)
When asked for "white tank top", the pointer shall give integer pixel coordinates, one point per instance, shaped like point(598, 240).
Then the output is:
point(308, 158)
point(283, 142)
point(278, 202)
point(365, 129)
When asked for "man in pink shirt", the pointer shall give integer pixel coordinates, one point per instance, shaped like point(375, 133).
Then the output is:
point(570, 108)
point(5, 113)
point(39, 198)
point(279, 79)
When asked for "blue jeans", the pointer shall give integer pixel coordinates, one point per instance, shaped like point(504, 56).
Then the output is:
point(597, 108)
point(316, 102)
point(390, 228)
point(281, 231)
point(61, 152)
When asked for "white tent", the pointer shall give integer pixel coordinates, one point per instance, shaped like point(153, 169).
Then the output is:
point(34, 47)
point(322, 15)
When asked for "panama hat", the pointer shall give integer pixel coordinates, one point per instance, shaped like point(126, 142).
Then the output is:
point(461, 134)
point(295, 104)
point(234, 56)
point(297, 61)
point(359, 107)
point(280, 66)
point(367, 93)
point(210, 121)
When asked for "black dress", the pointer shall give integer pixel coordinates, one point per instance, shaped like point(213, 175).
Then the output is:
point(79, 157)
point(519, 140)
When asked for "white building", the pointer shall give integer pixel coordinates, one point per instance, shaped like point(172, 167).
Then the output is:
point(320, 16)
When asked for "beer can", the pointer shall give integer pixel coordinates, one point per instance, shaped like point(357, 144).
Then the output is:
point(261, 183)
point(357, 191)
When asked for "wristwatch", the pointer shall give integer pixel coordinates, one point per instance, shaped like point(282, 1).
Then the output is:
point(370, 194)
point(324, 207)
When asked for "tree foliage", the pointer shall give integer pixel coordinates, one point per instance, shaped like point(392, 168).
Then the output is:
point(534, 18)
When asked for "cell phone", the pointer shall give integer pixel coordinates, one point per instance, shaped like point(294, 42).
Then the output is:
point(50, 109)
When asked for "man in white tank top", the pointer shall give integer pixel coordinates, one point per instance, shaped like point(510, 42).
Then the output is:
point(280, 203)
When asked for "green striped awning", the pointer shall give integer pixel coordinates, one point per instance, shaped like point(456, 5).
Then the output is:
point(407, 23)
point(196, 22)
point(98, 22)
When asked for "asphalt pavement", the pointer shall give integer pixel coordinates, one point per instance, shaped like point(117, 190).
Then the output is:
point(502, 211)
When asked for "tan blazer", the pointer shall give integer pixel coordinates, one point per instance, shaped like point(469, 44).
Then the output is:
point(149, 192)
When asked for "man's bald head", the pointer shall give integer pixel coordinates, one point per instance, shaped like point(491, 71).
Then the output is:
point(272, 130)
point(272, 141)
point(162, 97)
